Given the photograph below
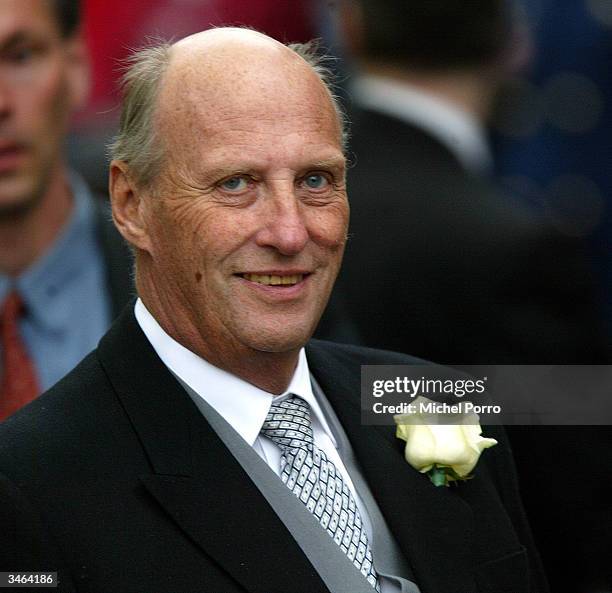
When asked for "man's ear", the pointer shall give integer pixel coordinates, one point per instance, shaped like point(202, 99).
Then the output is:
point(129, 208)
point(78, 70)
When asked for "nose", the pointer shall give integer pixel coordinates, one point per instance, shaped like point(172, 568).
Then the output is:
point(283, 227)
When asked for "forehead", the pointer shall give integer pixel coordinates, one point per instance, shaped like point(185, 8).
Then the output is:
point(29, 17)
point(268, 95)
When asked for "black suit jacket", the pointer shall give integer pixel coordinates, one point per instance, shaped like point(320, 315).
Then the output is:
point(114, 478)
point(440, 265)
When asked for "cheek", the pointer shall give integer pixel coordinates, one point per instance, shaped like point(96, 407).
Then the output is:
point(46, 105)
point(59, 100)
point(328, 226)
point(198, 237)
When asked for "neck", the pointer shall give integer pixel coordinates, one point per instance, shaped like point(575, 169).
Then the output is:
point(471, 91)
point(25, 236)
point(270, 371)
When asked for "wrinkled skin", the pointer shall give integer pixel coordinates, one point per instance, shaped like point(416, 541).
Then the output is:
point(253, 183)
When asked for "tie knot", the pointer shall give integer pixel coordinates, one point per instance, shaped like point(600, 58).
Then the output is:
point(11, 309)
point(288, 424)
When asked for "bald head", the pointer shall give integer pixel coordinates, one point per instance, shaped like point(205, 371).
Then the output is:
point(226, 38)
point(210, 77)
point(222, 64)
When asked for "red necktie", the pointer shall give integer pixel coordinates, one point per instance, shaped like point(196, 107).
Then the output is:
point(19, 384)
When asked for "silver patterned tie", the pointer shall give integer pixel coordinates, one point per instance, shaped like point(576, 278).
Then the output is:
point(314, 479)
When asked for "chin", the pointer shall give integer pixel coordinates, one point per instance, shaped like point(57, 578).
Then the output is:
point(16, 198)
point(281, 340)
point(16, 208)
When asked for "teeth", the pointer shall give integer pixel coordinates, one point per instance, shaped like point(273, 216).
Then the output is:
point(274, 280)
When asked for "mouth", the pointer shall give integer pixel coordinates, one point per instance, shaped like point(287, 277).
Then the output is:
point(10, 146)
point(283, 280)
point(10, 155)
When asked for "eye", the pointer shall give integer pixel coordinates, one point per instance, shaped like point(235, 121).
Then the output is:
point(21, 54)
point(316, 181)
point(234, 184)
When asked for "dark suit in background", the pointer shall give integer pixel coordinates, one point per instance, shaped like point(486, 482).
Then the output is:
point(438, 263)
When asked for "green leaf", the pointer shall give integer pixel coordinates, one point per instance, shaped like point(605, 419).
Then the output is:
point(438, 476)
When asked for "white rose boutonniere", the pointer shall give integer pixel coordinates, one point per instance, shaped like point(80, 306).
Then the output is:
point(447, 452)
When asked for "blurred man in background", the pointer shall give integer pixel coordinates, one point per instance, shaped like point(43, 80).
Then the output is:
point(63, 271)
point(457, 273)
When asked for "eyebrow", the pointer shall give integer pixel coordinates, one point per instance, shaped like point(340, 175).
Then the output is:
point(338, 163)
point(16, 39)
point(332, 163)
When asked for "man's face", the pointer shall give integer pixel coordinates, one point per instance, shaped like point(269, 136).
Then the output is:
point(41, 76)
point(248, 228)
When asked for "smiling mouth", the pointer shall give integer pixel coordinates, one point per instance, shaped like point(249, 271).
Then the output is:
point(10, 155)
point(274, 280)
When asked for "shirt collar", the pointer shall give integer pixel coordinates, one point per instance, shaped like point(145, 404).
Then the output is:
point(460, 131)
point(56, 271)
point(241, 404)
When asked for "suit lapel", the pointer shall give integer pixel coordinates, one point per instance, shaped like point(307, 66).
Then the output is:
point(195, 478)
point(433, 526)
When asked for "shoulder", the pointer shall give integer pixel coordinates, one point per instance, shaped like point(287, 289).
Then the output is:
point(49, 433)
point(351, 355)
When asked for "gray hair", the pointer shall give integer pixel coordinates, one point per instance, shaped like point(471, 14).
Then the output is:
point(138, 144)
point(321, 64)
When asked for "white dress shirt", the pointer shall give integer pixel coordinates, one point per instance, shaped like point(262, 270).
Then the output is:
point(245, 406)
point(458, 130)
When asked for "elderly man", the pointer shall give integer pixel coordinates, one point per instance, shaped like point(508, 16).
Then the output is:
point(155, 465)
point(64, 271)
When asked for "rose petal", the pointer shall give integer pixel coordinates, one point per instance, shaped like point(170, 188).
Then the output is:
point(429, 441)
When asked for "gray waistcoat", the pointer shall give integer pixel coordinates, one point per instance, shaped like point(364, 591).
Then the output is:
point(335, 569)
